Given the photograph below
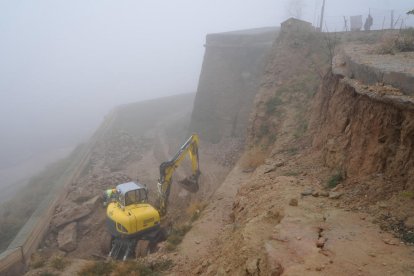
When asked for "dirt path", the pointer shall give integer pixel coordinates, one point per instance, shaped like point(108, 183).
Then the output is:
point(215, 219)
point(350, 244)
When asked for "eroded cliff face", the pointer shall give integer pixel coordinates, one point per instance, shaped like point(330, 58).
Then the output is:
point(365, 133)
point(232, 67)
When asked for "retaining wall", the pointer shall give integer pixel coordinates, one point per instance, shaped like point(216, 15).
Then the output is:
point(16, 259)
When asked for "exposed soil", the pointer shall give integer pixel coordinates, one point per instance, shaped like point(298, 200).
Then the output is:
point(262, 234)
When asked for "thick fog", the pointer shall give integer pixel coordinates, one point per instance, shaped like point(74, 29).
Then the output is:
point(65, 64)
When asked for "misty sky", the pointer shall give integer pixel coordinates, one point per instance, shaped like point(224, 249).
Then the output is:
point(65, 64)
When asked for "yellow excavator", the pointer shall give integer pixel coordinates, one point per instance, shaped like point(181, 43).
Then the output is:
point(134, 225)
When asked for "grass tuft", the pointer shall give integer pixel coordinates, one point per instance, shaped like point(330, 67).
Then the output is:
point(58, 263)
point(99, 268)
point(272, 105)
point(408, 194)
point(334, 180)
point(176, 236)
point(47, 273)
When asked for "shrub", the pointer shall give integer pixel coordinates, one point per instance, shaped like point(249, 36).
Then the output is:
point(264, 130)
point(38, 263)
point(408, 237)
point(97, 269)
point(132, 268)
point(334, 180)
point(176, 236)
point(162, 265)
point(394, 43)
point(142, 268)
point(292, 151)
point(272, 139)
point(47, 273)
point(408, 194)
point(58, 263)
point(272, 104)
point(292, 173)
point(301, 128)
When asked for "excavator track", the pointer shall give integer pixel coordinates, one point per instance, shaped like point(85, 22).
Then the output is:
point(142, 248)
point(122, 248)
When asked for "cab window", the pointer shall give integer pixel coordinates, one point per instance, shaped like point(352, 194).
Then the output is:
point(136, 196)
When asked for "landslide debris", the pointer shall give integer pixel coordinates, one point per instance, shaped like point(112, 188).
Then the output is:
point(294, 219)
point(277, 211)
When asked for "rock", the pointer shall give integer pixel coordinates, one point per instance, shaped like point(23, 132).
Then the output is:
point(275, 268)
point(319, 268)
point(70, 215)
point(210, 270)
point(390, 241)
point(383, 205)
point(270, 168)
point(67, 237)
point(252, 266)
point(221, 272)
point(273, 215)
point(92, 203)
point(324, 193)
point(335, 195)
point(409, 222)
point(293, 202)
point(315, 194)
point(248, 170)
point(307, 192)
point(320, 243)
point(279, 163)
point(205, 263)
point(198, 269)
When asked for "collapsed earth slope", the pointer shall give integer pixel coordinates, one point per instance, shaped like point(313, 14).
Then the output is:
point(286, 217)
point(307, 197)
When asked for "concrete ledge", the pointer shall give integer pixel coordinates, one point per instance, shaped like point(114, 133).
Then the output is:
point(359, 62)
point(399, 101)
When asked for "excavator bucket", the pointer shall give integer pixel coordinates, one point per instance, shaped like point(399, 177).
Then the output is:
point(190, 183)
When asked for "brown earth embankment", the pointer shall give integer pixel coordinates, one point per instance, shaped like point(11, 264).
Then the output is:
point(365, 131)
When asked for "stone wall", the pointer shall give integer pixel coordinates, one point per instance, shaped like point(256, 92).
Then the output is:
point(229, 80)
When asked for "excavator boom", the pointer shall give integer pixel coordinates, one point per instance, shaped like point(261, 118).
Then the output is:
point(168, 168)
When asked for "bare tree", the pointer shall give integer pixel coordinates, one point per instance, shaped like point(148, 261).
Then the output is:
point(295, 8)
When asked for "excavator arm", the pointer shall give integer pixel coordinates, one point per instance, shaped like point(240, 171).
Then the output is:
point(168, 168)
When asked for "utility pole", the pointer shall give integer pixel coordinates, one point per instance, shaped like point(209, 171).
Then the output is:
point(345, 24)
point(322, 13)
point(392, 19)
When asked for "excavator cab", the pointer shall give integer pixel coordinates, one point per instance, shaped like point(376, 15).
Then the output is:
point(130, 215)
point(132, 193)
